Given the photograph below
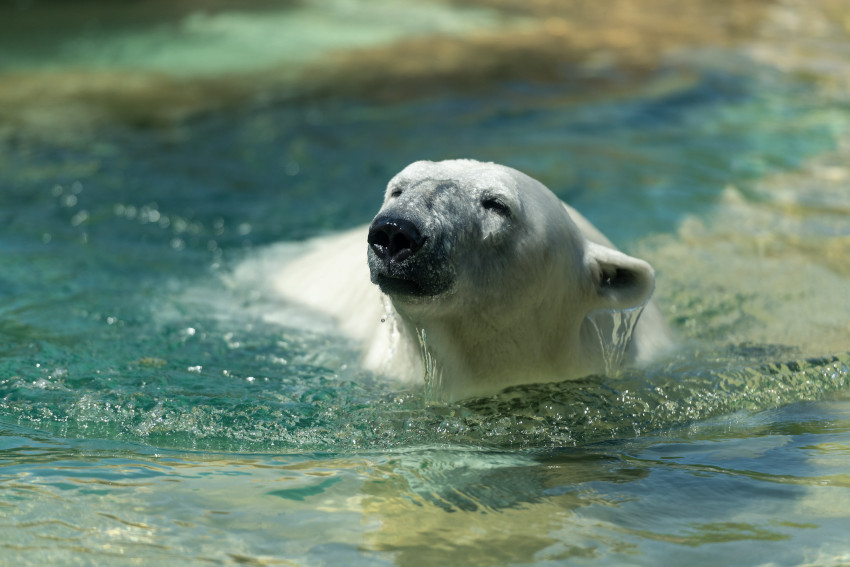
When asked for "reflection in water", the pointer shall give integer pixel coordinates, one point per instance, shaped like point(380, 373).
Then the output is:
point(604, 502)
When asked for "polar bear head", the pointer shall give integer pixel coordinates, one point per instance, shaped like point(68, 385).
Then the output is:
point(492, 266)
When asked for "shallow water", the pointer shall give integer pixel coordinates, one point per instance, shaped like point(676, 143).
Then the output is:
point(156, 410)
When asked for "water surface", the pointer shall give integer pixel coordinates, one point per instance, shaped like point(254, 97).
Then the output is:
point(154, 409)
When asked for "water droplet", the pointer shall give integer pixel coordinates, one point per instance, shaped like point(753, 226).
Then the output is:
point(79, 218)
point(151, 215)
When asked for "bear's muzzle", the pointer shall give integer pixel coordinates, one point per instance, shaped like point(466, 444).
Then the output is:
point(403, 261)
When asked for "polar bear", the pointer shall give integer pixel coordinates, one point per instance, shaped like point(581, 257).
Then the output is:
point(476, 277)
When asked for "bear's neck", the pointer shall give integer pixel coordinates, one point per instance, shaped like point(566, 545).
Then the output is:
point(467, 357)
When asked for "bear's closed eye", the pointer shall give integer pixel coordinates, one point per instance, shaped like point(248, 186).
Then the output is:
point(496, 205)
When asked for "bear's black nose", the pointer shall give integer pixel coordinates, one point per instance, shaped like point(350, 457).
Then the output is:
point(394, 239)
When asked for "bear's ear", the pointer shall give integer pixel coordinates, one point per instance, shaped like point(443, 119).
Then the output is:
point(620, 281)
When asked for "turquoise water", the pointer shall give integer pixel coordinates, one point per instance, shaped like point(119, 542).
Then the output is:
point(155, 410)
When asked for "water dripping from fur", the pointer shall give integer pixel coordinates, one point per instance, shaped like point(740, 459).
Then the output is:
point(615, 329)
point(433, 375)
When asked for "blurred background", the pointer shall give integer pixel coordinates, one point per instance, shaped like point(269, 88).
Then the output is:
point(141, 63)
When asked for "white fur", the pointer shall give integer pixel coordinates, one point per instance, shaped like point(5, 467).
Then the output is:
point(518, 309)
